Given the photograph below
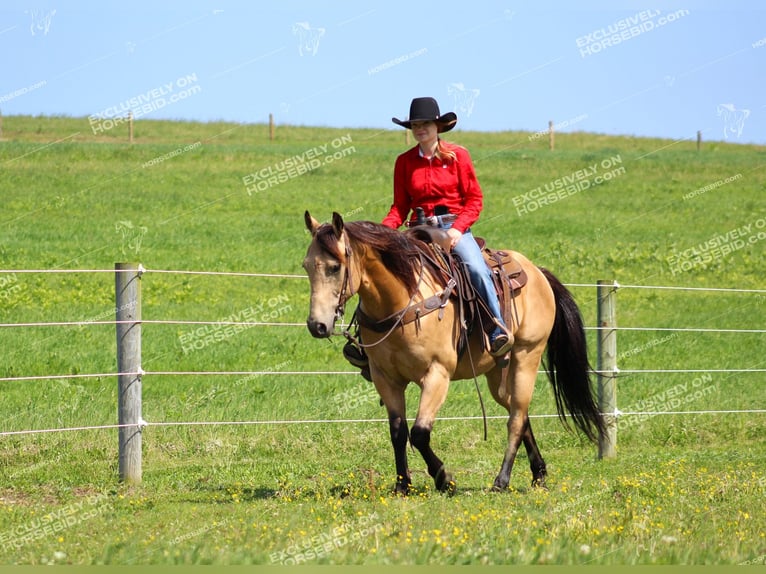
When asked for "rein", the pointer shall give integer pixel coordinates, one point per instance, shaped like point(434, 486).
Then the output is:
point(398, 317)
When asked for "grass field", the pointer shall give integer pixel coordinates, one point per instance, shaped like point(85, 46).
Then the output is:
point(683, 489)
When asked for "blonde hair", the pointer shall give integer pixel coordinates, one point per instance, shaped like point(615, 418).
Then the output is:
point(444, 152)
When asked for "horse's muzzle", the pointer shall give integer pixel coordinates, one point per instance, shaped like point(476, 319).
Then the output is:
point(319, 329)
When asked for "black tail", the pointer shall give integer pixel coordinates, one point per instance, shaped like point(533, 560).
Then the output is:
point(567, 365)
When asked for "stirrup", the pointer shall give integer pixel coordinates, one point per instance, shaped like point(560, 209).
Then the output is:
point(356, 356)
point(502, 344)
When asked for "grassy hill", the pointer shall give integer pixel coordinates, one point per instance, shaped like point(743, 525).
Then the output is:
point(224, 197)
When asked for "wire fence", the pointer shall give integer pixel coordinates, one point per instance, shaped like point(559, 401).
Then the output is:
point(142, 424)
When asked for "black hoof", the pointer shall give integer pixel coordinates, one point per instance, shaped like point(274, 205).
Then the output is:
point(539, 482)
point(402, 487)
point(499, 486)
point(445, 482)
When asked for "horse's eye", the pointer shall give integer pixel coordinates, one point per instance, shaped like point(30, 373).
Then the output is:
point(333, 269)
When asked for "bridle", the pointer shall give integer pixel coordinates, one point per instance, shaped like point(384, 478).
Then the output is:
point(346, 287)
point(347, 291)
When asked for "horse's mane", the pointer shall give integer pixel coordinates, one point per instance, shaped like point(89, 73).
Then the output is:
point(399, 252)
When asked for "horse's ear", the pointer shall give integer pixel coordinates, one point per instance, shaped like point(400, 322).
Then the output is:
point(311, 224)
point(337, 224)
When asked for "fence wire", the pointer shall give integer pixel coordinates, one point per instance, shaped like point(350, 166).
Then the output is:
point(141, 270)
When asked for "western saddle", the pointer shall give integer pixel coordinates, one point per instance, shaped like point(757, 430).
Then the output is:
point(507, 274)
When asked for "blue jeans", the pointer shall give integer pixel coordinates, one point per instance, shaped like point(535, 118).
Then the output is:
point(481, 276)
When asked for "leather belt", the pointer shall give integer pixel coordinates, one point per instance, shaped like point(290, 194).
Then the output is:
point(435, 220)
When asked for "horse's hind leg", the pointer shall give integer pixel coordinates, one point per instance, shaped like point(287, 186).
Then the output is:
point(434, 390)
point(536, 462)
point(515, 395)
point(516, 422)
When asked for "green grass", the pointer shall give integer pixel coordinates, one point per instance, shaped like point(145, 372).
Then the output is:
point(684, 489)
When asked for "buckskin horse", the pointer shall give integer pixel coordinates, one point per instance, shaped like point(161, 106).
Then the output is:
point(385, 268)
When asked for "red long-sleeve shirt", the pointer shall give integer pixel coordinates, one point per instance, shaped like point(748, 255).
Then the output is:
point(426, 183)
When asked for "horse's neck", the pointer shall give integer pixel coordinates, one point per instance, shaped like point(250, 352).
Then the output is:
point(380, 293)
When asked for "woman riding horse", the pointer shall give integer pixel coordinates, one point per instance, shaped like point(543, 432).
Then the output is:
point(439, 178)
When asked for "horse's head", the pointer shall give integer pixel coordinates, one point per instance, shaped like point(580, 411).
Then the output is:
point(326, 264)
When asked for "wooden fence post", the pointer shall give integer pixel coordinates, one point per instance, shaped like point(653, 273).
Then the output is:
point(130, 127)
point(271, 127)
point(550, 135)
point(128, 312)
point(606, 366)
point(699, 140)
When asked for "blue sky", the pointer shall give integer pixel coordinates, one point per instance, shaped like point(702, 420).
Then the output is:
point(620, 67)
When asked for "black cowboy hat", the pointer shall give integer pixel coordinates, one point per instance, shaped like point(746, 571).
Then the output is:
point(427, 109)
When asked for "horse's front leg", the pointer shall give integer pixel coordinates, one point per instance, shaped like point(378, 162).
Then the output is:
point(434, 391)
point(393, 398)
point(399, 434)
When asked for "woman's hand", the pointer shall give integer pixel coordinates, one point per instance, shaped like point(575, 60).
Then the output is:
point(454, 236)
